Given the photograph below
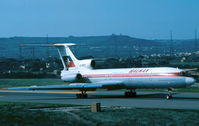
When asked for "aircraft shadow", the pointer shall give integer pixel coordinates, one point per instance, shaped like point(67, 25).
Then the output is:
point(186, 98)
point(156, 95)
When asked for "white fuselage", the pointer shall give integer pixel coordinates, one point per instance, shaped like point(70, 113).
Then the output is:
point(158, 77)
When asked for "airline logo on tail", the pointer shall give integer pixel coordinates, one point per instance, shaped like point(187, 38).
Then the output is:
point(71, 64)
point(68, 62)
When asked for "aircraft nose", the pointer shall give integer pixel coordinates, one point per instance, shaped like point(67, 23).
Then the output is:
point(190, 80)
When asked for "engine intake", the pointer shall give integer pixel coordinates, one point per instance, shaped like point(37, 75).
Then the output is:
point(71, 77)
point(88, 63)
point(93, 64)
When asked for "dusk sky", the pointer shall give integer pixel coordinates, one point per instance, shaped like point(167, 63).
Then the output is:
point(149, 19)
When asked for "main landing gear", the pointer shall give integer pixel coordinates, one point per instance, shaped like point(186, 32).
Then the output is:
point(169, 96)
point(130, 93)
point(83, 94)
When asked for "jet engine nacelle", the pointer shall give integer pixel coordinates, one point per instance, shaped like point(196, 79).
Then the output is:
point(71, 77)
point(88, 63)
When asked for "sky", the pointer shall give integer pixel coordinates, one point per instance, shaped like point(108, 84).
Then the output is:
point(148, 19)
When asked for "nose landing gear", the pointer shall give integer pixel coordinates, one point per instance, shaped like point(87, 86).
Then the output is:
point(83, 94)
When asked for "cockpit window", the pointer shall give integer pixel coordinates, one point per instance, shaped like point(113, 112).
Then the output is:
point(185, 73)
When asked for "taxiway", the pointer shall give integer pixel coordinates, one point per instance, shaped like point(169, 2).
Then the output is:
point(106, 98)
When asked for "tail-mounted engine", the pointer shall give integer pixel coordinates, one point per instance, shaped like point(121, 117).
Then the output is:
point(71, 77)
point(88, 63)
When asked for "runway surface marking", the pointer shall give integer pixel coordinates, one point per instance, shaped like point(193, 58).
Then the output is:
point(60, 92)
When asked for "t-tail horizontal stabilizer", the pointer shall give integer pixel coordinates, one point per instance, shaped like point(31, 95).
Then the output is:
point(67, 57)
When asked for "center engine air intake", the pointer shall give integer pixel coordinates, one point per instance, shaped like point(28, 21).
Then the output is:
point(88, 63)
point(71, 77)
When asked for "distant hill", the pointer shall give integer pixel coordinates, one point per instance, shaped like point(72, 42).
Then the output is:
point(189, 45)
point(96, 46)
point(111, 41)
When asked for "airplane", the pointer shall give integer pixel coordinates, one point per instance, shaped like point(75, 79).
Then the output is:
point(82, 76)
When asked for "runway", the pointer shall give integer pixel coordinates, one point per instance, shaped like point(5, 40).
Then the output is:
point(106, 98)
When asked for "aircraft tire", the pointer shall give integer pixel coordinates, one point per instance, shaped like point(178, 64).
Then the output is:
point(85, 96)
point(81, 95)
point(168, 97)
point(130, 94)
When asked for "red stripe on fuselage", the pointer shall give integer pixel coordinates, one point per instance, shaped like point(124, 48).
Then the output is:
point(131, 75)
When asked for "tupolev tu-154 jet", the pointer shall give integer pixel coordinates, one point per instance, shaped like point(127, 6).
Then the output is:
point(81, 76)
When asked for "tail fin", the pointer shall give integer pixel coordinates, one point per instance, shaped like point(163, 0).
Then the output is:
point(66, 56)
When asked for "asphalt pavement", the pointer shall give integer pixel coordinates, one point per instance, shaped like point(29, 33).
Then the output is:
point(106, 98)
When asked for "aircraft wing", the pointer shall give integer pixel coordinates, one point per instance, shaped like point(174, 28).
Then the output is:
point(87, 86)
